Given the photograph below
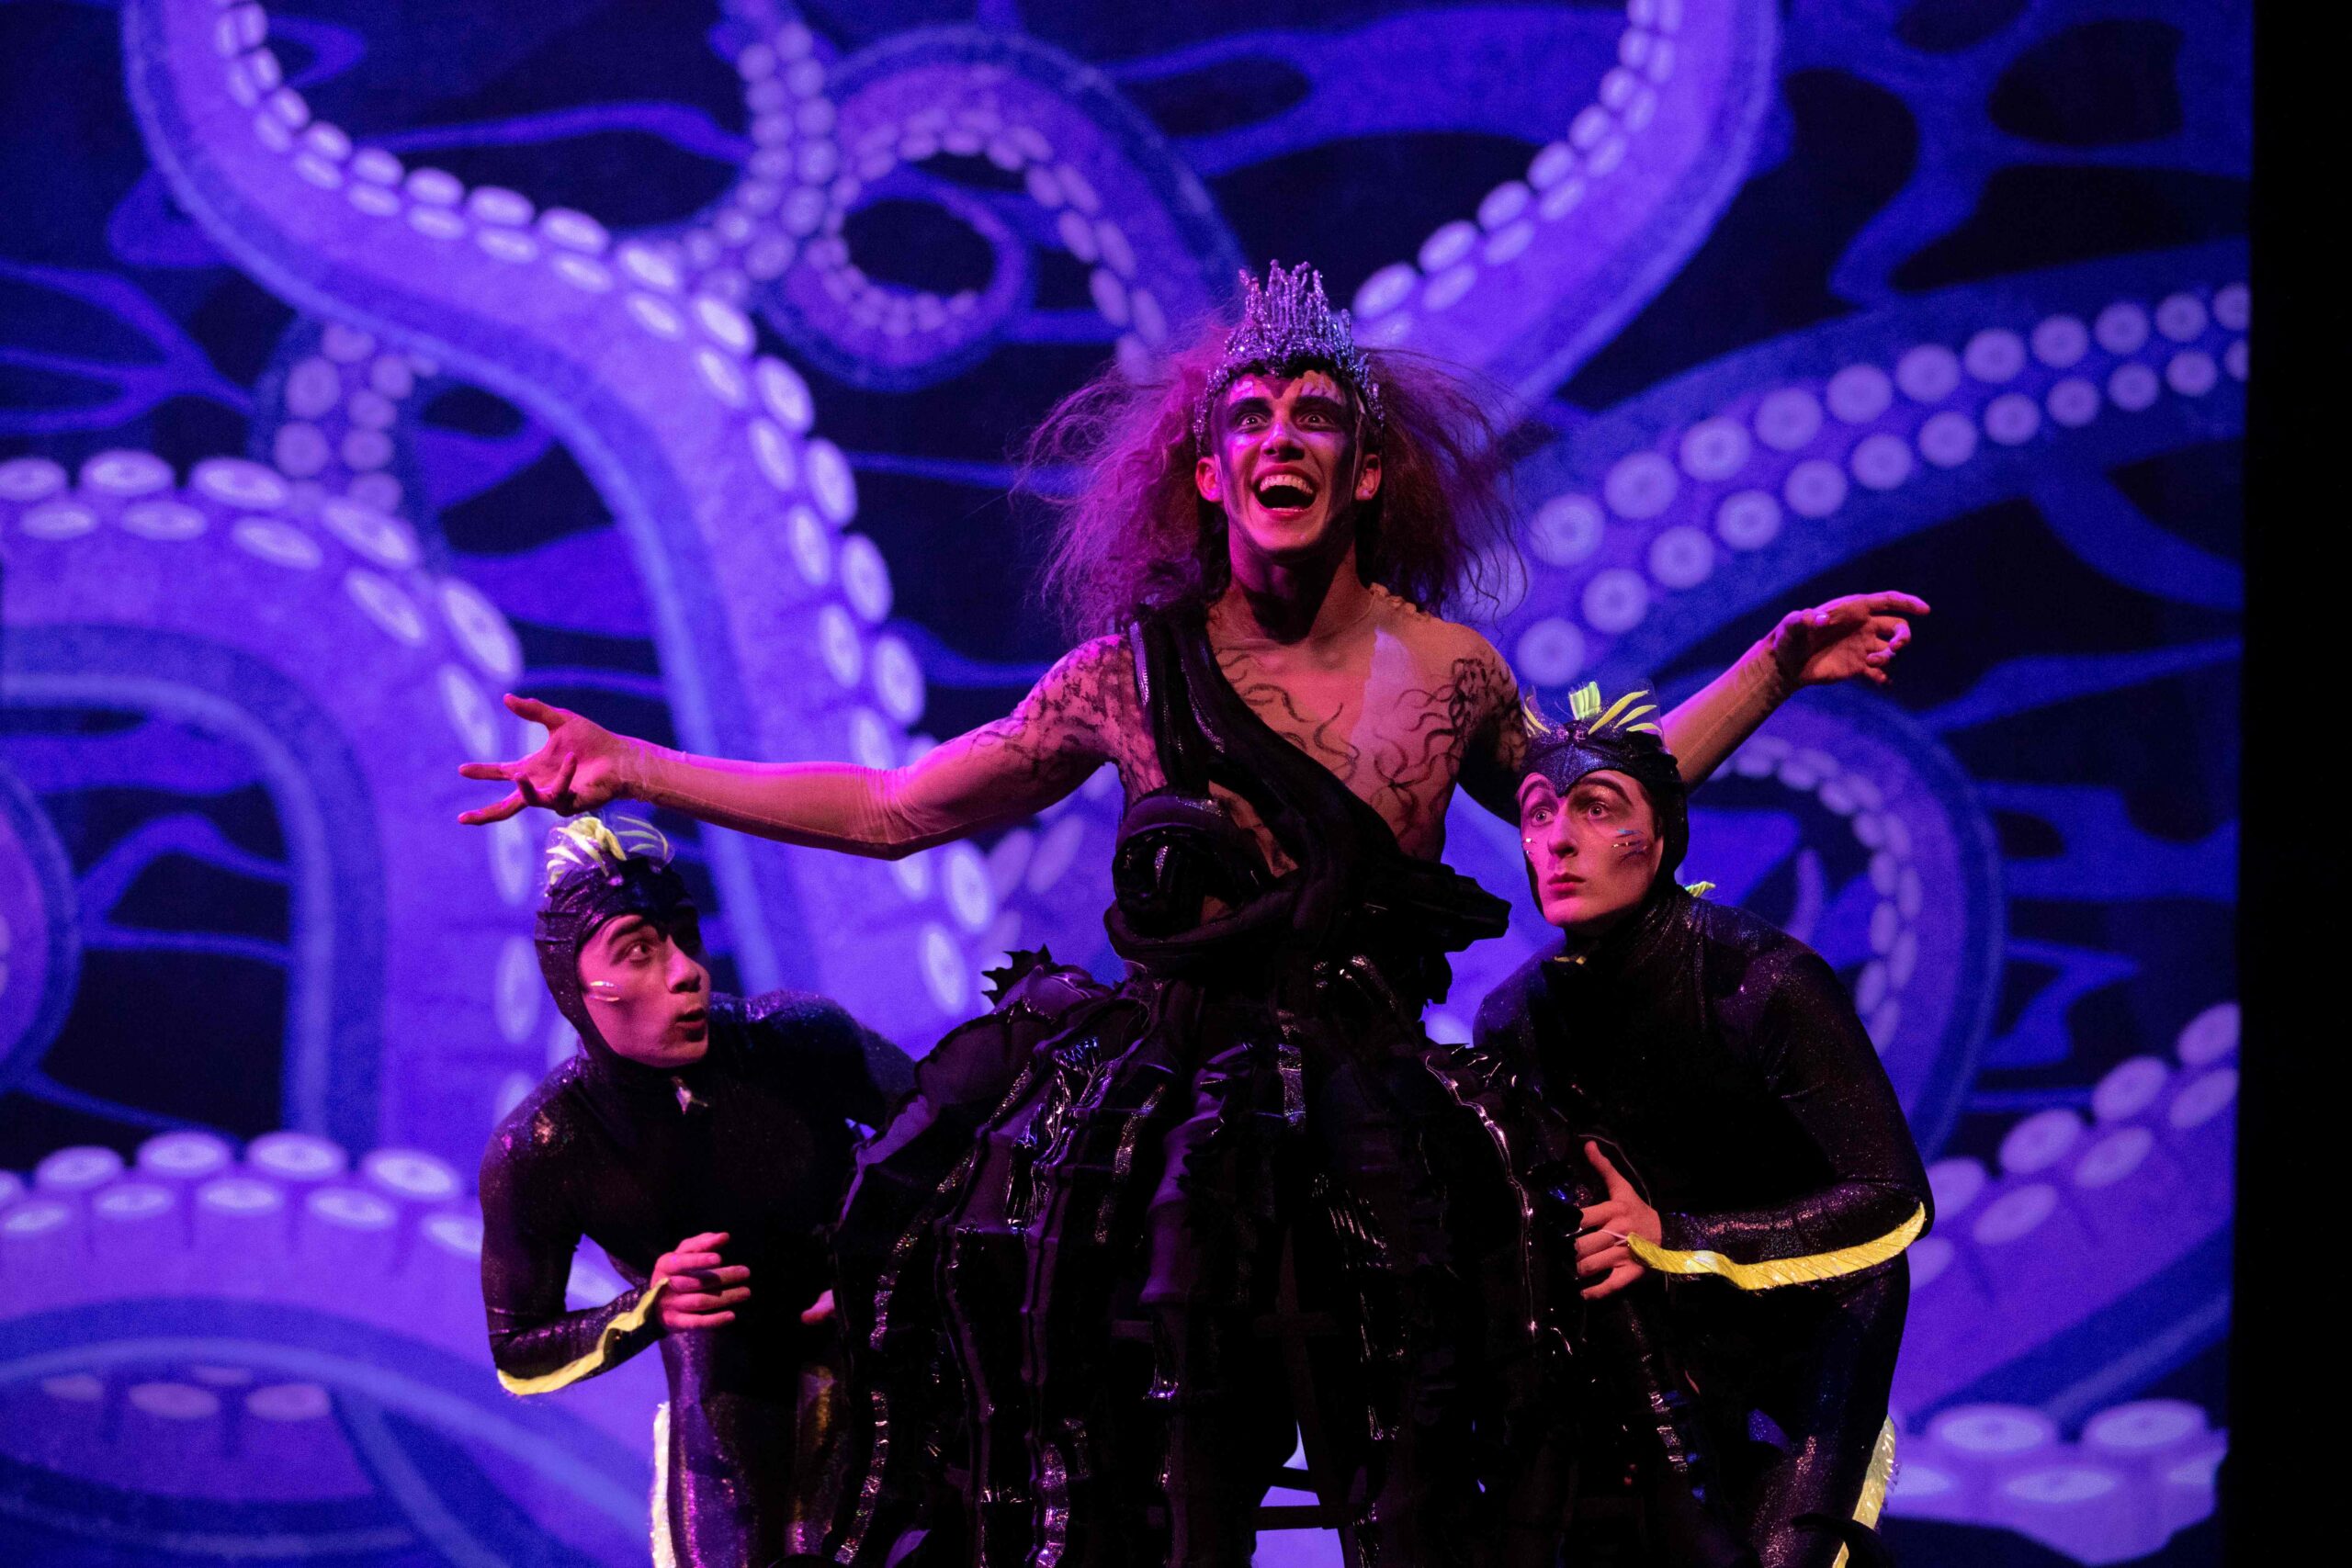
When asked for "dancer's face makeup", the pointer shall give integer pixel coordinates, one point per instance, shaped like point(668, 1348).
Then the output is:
point(1592, 853)
point(648, 990)
point(1283, 463)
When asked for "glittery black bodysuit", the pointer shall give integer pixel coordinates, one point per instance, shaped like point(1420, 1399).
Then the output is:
point(1722, 1062)
point(1053, 1261)
point(754, 1140)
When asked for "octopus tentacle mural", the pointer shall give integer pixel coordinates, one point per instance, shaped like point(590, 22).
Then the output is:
point(345, 678)
point(1953, 91)
point(335, 411)
point(1744, 478)
point(264, 667)
point(1555, 262)
point(833, 137)
point(314, 1375)
point(605, 343)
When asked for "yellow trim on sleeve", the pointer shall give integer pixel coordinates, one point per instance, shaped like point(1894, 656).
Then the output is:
point(1881, 1476)
point(1874, 1484)
point(596, 1360)
point(1778, 1271)
point(665, 1551)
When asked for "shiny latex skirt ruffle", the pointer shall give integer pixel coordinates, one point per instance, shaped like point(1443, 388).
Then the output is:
point(1058, 1263)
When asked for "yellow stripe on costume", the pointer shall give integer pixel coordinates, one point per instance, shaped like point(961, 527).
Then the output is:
point(1874, 1484)
point(1782, 1271)
point(1626, 720)
point(596, 1360)
point(665, 1551)
point(1881, 1476)
point(1619, 706)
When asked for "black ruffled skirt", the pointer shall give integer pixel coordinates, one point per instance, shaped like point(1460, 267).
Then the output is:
point(1059, 1261)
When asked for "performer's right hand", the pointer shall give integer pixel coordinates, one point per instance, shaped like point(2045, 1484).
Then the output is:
point(578, 770)
point(1603, 1255)
point(703, 1292)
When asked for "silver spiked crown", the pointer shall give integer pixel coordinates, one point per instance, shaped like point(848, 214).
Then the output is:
point(1285, 323)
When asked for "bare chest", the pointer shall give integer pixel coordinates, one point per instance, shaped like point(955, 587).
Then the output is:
point(1390, 726)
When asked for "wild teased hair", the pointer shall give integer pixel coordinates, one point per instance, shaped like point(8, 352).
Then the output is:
point(1131, 533)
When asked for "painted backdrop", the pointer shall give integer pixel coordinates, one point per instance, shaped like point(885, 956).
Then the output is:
point(358, 362)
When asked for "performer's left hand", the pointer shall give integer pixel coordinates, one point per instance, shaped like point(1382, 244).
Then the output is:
point(1600, 1248)
point(1859, 635)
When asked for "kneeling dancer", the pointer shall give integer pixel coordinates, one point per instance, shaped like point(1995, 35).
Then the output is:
point(1715, 1157)
point(703, 1142)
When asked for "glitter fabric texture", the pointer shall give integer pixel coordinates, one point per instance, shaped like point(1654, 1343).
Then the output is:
point(1721, 1062)
point(761, 1155)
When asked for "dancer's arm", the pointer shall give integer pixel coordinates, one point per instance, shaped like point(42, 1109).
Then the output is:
point(997, 774)
point(1813, 1053)
point(1859, 635)
point(526, 1246)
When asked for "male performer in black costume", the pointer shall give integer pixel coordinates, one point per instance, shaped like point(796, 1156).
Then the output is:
point(703, 1142)
point(1713, 1116)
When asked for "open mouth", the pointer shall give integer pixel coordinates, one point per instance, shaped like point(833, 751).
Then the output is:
point(692, 1018)
point(1286, 494)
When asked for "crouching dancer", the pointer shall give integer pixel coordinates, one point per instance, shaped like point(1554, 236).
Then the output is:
point(703, 1142)
point(1721, 1150)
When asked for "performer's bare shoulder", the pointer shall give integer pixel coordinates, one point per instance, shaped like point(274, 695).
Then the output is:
point(1457, 705)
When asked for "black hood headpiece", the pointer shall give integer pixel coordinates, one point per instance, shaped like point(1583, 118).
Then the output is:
point(596, 873)
point(1623, 737)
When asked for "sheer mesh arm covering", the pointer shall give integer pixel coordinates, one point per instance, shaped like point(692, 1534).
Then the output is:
point(1709, 725)
point(997, 774)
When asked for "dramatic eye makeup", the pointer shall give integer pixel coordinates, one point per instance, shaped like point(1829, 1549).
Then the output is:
point(1599, 798)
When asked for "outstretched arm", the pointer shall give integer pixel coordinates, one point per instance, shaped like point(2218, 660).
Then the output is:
point(1859, 635)
point(1000, 773)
